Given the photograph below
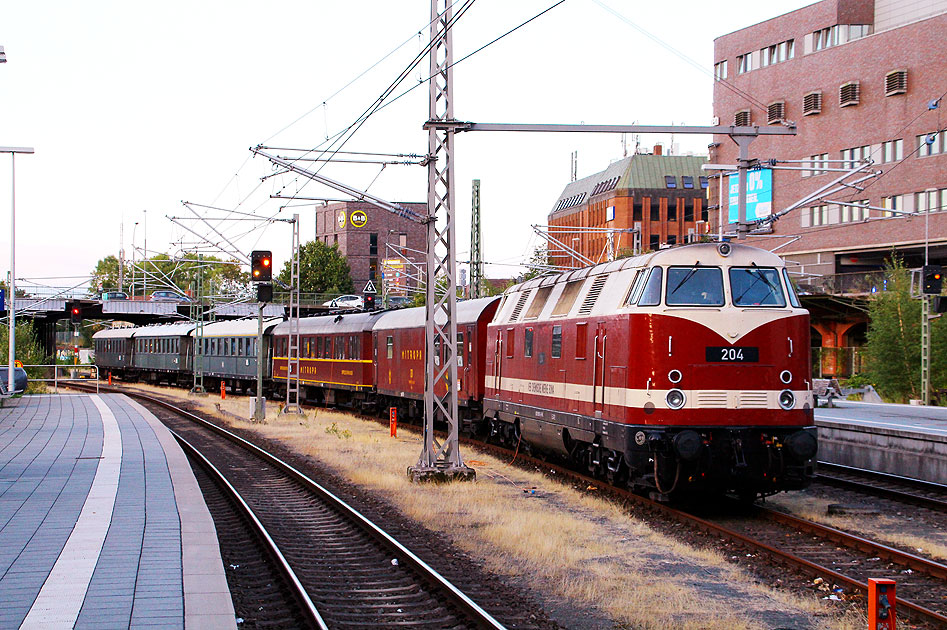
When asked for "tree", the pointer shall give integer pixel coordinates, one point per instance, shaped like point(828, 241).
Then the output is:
point(28, 349)
point(322, 269)
point(105, 276)
point(538, 263)
point(893, 350)
point(171, 273)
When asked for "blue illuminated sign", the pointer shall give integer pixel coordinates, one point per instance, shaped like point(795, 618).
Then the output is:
point(759, 194)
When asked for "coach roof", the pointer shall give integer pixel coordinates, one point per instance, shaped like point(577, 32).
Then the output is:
point(238, 328)
point(332, 324)
point(468, 312)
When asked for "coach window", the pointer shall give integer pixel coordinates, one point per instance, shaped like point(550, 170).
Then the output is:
point(556, 350)
point(340, 347)
point(459, 349)
point(695, 286)
point(390, 343)
point(437, 351)
point(651, 296)
point(528, 343)
point(581, 339)
point(352, 350)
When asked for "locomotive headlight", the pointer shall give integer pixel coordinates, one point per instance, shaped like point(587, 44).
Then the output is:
point(787, 399)
point(675, 399)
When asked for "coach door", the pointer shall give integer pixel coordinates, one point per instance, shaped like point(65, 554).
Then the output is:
point(598, 369)
point(497, 358)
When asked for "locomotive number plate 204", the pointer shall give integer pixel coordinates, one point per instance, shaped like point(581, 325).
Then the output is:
point(732, 354)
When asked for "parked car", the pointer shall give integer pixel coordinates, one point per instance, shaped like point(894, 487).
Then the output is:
point(168, 296)
point(399, 301)
point(346, 301)
point(113, 295)
point(20, 380)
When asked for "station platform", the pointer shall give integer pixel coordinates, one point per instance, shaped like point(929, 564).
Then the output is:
point(102, 523)
point(905, 440)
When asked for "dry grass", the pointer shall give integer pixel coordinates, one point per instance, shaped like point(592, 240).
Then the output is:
point(564, 544)
point(904, 530)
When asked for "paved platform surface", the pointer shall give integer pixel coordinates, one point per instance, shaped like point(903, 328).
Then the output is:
point(905, 440)
point(102, 524)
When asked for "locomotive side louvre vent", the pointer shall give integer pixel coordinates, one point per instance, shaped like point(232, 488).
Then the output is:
point(753, 400)
point(896, 82)
point(711, 399)
point(593, 294)
point(775, 113)
point(742, 118)
point(848, 94)
point(536, 306)
point(520, 303)
point(812, 104)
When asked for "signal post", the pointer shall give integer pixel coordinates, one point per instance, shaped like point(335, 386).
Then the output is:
point(261, 272)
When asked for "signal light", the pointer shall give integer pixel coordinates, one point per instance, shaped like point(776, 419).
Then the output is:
point(932, 278)
point(369, 300)
point(264, 293)
point(261, 265)
point(75, 313)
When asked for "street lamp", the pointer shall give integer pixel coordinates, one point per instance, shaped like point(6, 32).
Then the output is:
point(134, 258)
point(11, 304)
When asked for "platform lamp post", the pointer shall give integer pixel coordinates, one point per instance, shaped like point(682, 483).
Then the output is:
point(12, 297)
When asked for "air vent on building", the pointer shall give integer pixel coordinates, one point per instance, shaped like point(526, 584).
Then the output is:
point(812, 103)
point(896, 82)
point(775, 113)
point(592, 295)
point(848, 94)
point(742, 118)
point(520, 303)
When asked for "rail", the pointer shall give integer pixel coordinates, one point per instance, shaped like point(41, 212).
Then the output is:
point(84, 373)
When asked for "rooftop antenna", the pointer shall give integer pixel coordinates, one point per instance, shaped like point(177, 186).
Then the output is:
point(574, 167)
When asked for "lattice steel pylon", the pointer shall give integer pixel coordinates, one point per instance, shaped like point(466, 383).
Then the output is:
point(476, 251)
point(197, 316)
point(440, 461)
point(292, 358)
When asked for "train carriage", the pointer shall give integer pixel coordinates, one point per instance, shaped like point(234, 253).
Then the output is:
point(229, 352)
point(398, 338)
point(113, 350)
point(335, 357)
point(163, 353)
point(680, 370)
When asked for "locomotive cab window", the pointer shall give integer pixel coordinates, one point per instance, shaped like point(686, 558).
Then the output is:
point(634, 290)
point(694, 286)
point(756, 286)
point(651, 295)
point(528, 343)
point(791, 289)
point(556, 349)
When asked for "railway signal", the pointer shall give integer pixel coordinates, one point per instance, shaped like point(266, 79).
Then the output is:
point(264, 292)
point(933, 279)
point(75, 313)
point(261, 265)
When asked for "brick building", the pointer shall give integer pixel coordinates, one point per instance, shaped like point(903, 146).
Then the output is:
point(366, 235)
point(860, 79)
point(661, 196)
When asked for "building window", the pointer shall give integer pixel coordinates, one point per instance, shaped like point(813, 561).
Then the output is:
point(775, 112)
point(848, 94)
point(744, 63)
point(896, 82)
point(670, 181)
point(688, 181)
point(372, 268)
point(373, 244)
point(930, 200)
point(819, 215)
point(654, 242)
point(930, 144)
point(704, 183)
point(892, 150)
point(777, 53)
point(812, 103)
point(851, 214)
point(852, 157)
point(720, 70)
point(817, 164)
point(672, 209)
point(857, 31)
point(825, 38)
point(894, 203)
point(742, 118)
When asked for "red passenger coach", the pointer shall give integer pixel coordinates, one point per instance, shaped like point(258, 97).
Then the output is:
point(335, 357)
point(680, 371)
point(399, 357)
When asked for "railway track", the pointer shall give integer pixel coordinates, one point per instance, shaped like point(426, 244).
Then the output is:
point(903, 489)
point(347, 572)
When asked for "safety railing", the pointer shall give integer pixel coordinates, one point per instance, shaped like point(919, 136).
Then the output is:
point(56, 374)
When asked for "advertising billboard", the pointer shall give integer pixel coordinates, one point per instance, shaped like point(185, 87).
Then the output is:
point(759, 194)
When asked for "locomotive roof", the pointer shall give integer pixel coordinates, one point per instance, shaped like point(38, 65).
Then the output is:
point(704, 253)
point(125, 332)
point(468, 312)
point(238, 327)
point(165, 330)
point(332, 324)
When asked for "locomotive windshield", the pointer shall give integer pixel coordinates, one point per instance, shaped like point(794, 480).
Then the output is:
point(694, 286)
point(756, 286)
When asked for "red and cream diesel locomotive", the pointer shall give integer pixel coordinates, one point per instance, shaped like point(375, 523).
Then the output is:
point(682, 371)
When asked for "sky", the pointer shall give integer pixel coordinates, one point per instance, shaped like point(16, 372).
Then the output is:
point(135, 107)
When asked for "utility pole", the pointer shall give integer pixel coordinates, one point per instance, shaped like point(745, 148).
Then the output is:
point(197, 316)
point(292, 361)
point(476, 253)
point(441, 461)
point(121, 256)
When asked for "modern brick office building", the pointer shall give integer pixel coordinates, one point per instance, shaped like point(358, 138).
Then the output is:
point(859, 78)
point(661, 196)
point(367, 236)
